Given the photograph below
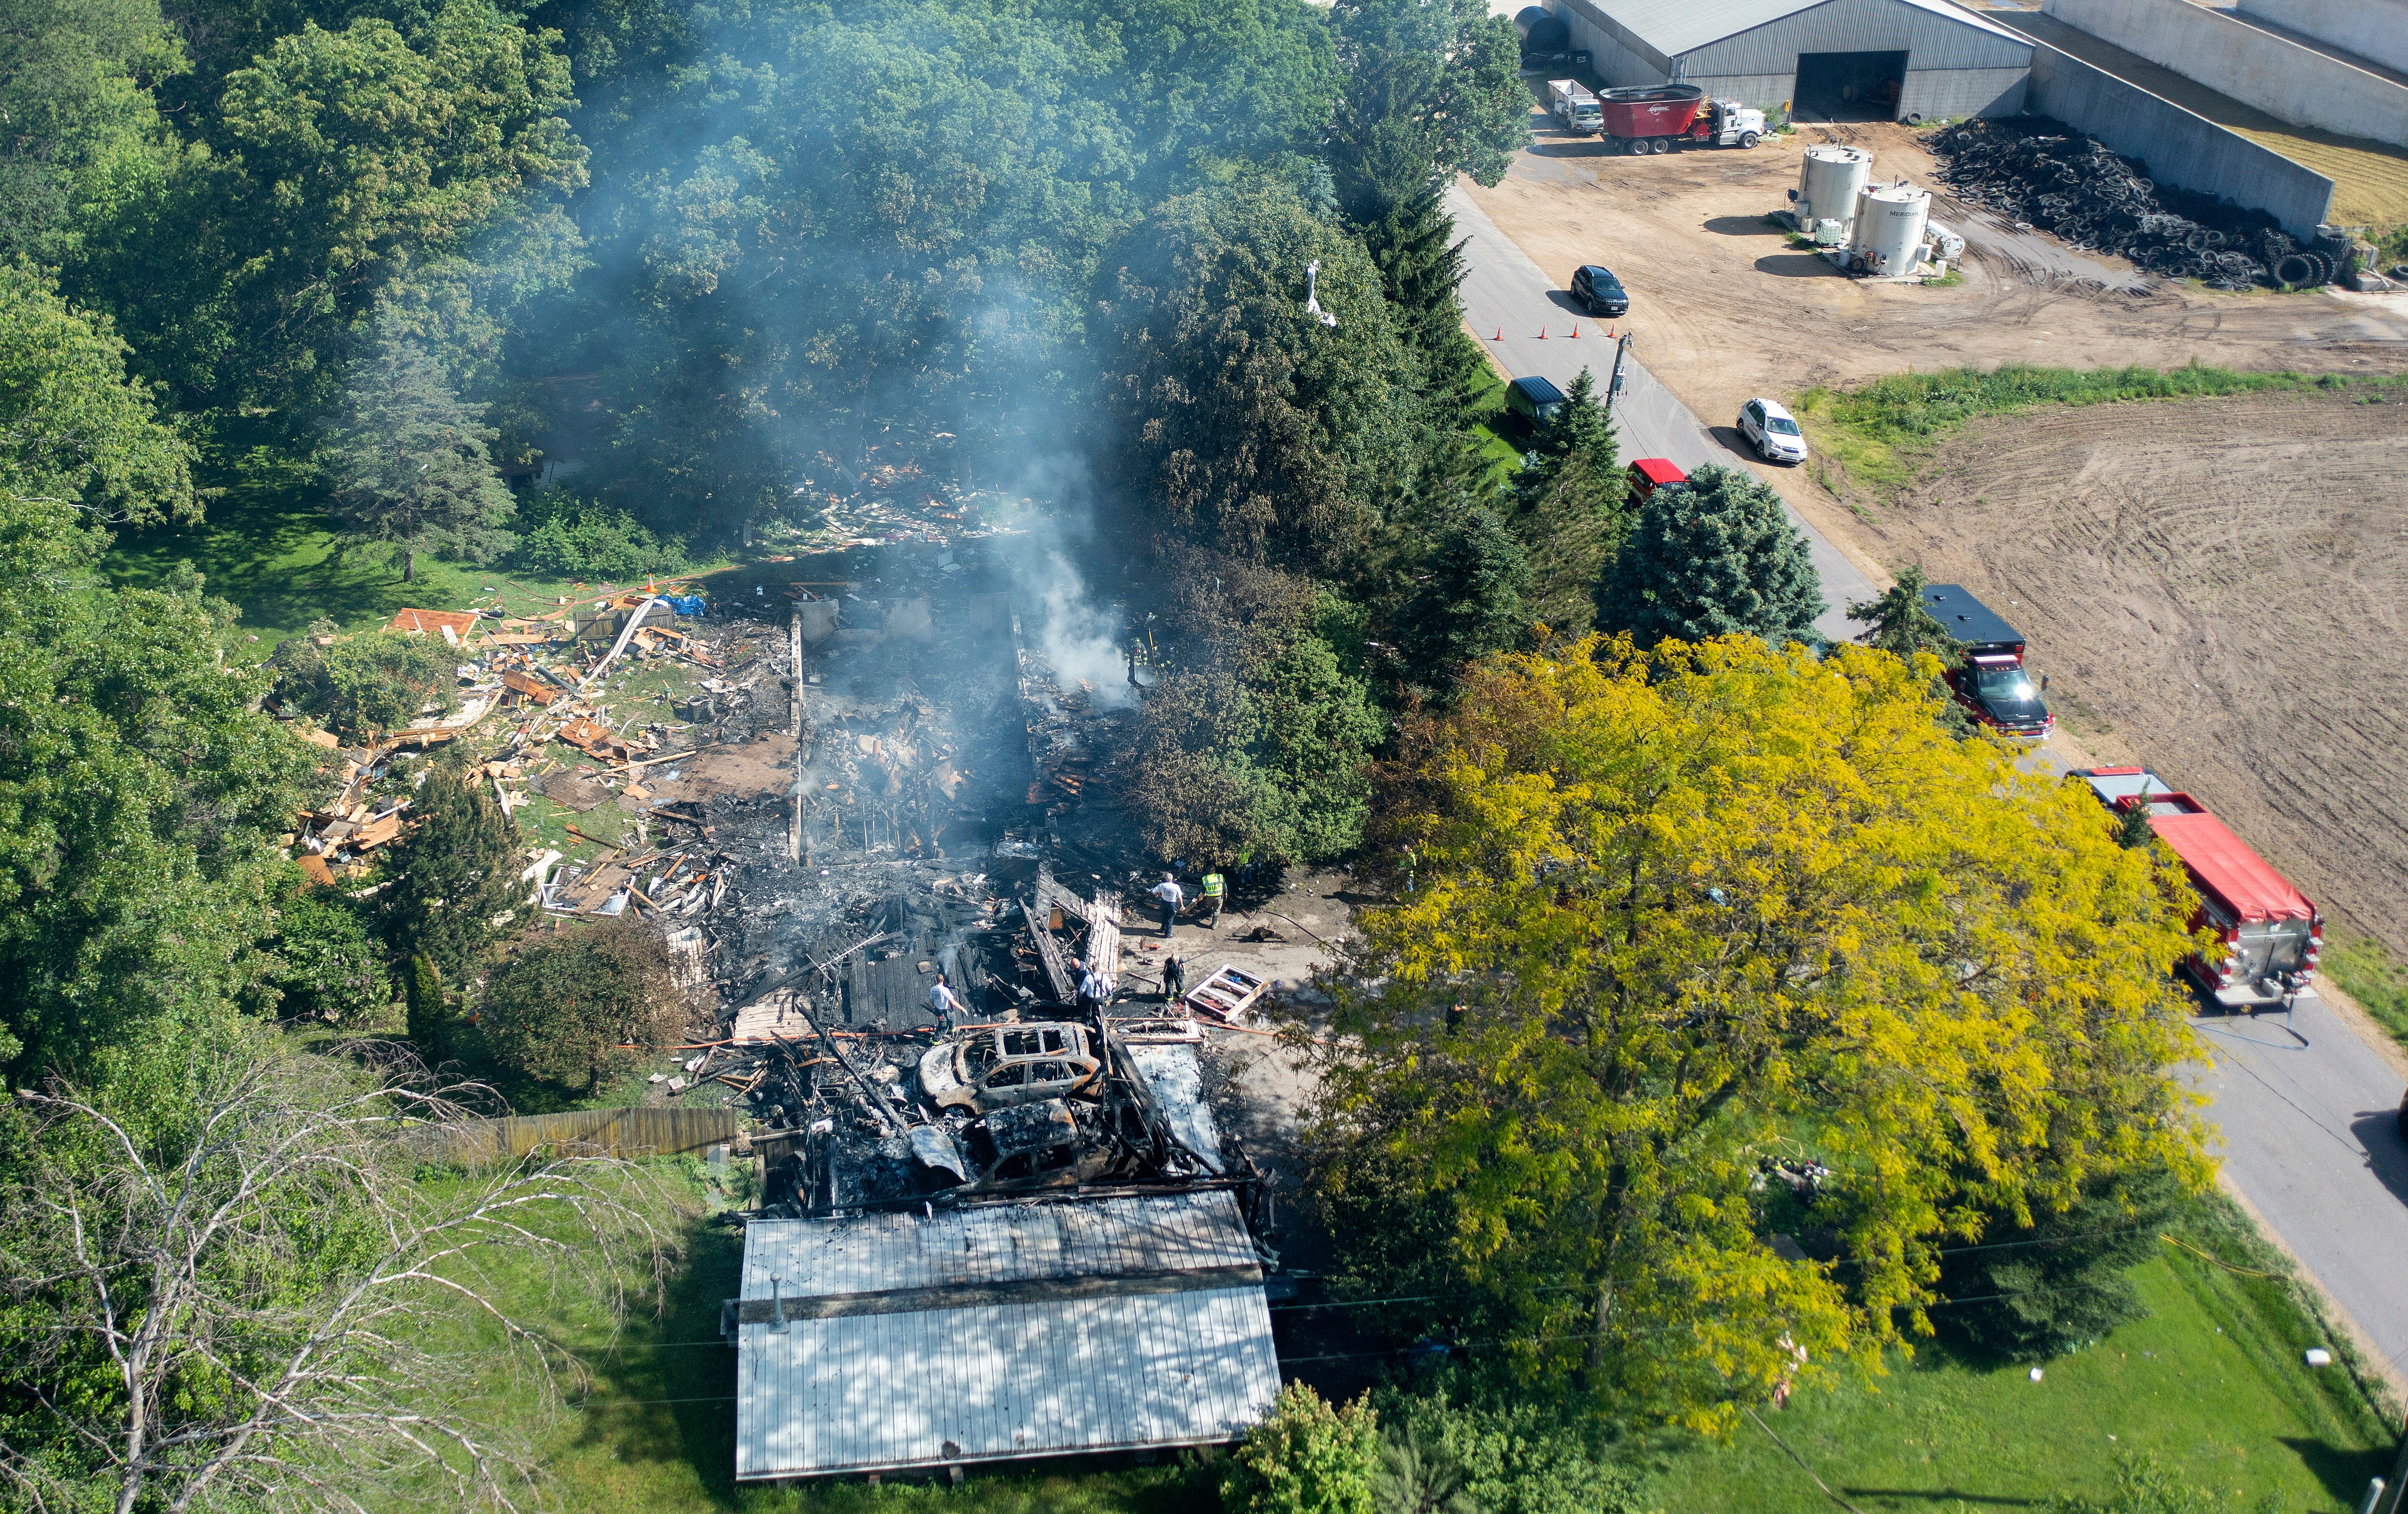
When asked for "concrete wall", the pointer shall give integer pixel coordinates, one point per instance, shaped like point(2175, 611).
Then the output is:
point(2277, 75)
point(2179, 148)
point(2376, 29)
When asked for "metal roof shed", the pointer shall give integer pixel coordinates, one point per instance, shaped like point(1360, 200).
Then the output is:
point(1947, 60)
point(885, 1342)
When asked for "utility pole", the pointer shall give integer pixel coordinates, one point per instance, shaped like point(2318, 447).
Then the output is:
point(1613, 389)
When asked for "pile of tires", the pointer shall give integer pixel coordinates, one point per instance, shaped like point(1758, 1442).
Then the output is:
point(2042, 173)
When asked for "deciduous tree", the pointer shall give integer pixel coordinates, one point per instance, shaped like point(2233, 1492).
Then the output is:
point(75, 429)
point(574, 1009)
point(140, 789)
point(244, 1295)
point(1308, 1456)
point(1676, 910)
point(366, 685)
point(1256, 746)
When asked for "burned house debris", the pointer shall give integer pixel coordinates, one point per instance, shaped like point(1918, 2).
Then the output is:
point(994, 1213)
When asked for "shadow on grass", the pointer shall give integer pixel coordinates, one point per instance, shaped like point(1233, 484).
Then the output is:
point(665, 1393)
point(2344, 1473)
point(1940, 1495)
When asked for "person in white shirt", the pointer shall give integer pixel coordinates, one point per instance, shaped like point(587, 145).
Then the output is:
point(943, 1003)
point(1094, 989)
point(1172, 897)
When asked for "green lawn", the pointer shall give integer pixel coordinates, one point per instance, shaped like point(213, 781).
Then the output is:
point(1877, 432)
point(1494, 428)
point(2212, 1386)
point(2373, 976)
point(266, 544)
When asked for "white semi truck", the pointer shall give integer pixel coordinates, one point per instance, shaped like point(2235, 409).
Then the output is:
point(1573, 106)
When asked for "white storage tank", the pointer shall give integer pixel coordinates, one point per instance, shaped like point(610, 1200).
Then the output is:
point(1889, 227)
point(1829, 182)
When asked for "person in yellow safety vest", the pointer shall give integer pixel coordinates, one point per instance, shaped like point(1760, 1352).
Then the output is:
point(1215, 894)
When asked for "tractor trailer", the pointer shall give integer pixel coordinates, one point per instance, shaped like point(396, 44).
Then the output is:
point(1573, 106)
point(2270, 935)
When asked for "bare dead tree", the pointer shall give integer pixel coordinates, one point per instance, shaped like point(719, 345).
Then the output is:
point(285, 1292)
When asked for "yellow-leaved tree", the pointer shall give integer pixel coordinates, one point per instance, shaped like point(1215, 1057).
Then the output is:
point(1674, 912)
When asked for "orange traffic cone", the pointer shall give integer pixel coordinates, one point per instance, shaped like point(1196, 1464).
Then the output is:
point(1501, 335)
point(1575, 331)
point(1542, 333)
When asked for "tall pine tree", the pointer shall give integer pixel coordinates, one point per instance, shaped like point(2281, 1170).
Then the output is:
point(1474, 601)
point(409, 462)
point(1900, 623)
point(455, 872)
point(1718, 559)
point(1420, 270)
point(1571, 510)
point(1432, 90)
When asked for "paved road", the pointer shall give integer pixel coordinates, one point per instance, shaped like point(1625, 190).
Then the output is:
point(2309, 1133)
point(2311, 1138)
point(1506, 290)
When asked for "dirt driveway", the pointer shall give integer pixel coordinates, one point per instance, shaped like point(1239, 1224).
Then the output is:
point(1724, 309)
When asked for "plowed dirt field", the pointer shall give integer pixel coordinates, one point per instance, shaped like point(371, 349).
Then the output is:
point(2220, 588)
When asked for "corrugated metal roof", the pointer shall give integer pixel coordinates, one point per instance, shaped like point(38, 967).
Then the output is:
point(1012, 1331)
point(1673, 27)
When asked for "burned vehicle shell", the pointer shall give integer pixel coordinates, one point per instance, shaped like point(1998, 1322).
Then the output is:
point(1033, 1146)
point(1004, 1065)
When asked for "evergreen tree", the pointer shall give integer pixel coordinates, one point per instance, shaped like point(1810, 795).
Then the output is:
point(577, 1009)
point(1421, 268)
point(1474, 601)
point(1571, 510)
point(1718, 559)
point(408, 461)
point(1900, 622)
point(454, 871)
point(2038, 1290)
point(429, 1020)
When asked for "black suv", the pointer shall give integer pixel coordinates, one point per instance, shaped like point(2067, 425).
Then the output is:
point(1600, 292)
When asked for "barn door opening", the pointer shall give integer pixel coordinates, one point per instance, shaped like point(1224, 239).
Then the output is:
point(1849, 86)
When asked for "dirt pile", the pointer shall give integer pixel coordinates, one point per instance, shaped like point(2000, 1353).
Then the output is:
point(2044, 173)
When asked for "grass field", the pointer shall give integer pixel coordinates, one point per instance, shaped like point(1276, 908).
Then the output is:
point(1876, 432)
point(2373, 976)
point(2212, 1386)
point(1494, 427)
point(266, 544)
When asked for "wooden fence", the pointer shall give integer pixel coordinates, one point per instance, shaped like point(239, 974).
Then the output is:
point(617, 1132)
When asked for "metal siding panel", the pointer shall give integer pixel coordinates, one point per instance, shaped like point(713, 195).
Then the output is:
point(1930, 41)
point(859, 1392)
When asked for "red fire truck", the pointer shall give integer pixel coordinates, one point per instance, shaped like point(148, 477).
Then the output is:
point(2273, 936)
